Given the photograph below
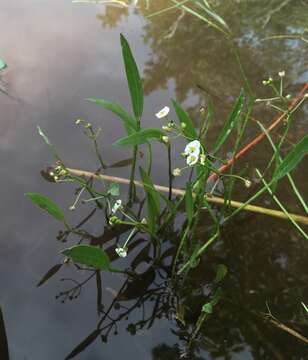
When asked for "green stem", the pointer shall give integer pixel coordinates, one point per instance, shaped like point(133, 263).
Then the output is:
point(132, 188)
point(169, 171)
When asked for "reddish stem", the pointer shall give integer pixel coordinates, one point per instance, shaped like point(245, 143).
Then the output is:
point(261, 136)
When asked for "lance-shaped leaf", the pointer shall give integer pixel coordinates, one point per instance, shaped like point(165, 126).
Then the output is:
point(51, 272)
point(121, 163)
point(88, 255)
point(231, 122)
point(153, 203)
point(45, 203)
point(133, 78)
point(129, 122)
point(140, 137)
point(292, 159)
point(188, 126)
point(84, 344)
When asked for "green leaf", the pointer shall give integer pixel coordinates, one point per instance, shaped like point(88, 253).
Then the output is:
point(140, 137)
point(114, 190)
point(184, 118)
point(133, 78)
point(153, 203)
point(3, 65)
point(221, 272)
point(207, 308)
point(292, 159)
point(129, 122)
point(189, 204)
point(46, 204)
point(231, 121)
point(88, 255)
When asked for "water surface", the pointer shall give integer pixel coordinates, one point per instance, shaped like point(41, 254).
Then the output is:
point(58, 55)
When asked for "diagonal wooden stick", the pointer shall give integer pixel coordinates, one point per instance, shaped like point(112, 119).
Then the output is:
point(211, 199)
point(260, 137)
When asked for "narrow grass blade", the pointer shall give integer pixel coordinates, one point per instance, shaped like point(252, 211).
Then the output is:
point(231, 122)
point(267, 186)
point(292, 159)
point(201, 17)
point(276, 151)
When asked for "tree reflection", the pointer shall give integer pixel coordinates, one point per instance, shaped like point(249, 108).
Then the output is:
point(194, 53)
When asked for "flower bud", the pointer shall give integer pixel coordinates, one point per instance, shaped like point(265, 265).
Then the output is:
point(165, 139)
point(247, 183)
point(176, 172)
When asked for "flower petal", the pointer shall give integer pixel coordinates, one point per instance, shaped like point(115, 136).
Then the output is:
point(163, 112)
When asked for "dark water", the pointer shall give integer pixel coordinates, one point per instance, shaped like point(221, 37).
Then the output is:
point(58, 54)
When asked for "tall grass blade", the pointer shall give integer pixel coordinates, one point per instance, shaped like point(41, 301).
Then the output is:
point(276, 153)
point(267, 186)
point(231, 122)
point(292, 159)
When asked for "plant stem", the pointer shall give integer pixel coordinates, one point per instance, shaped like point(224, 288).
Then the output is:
point(169, 171)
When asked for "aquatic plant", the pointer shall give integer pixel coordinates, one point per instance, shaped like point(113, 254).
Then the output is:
point(203, 170)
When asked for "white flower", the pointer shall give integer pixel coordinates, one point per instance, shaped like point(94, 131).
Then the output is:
point(121, 251)
point(192, 148)
point(163, 112)
point(176, 172)
point(117, 205)
point(192, 159)
point(282, 73)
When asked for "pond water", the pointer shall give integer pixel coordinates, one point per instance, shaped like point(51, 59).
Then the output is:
point(60, 53)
